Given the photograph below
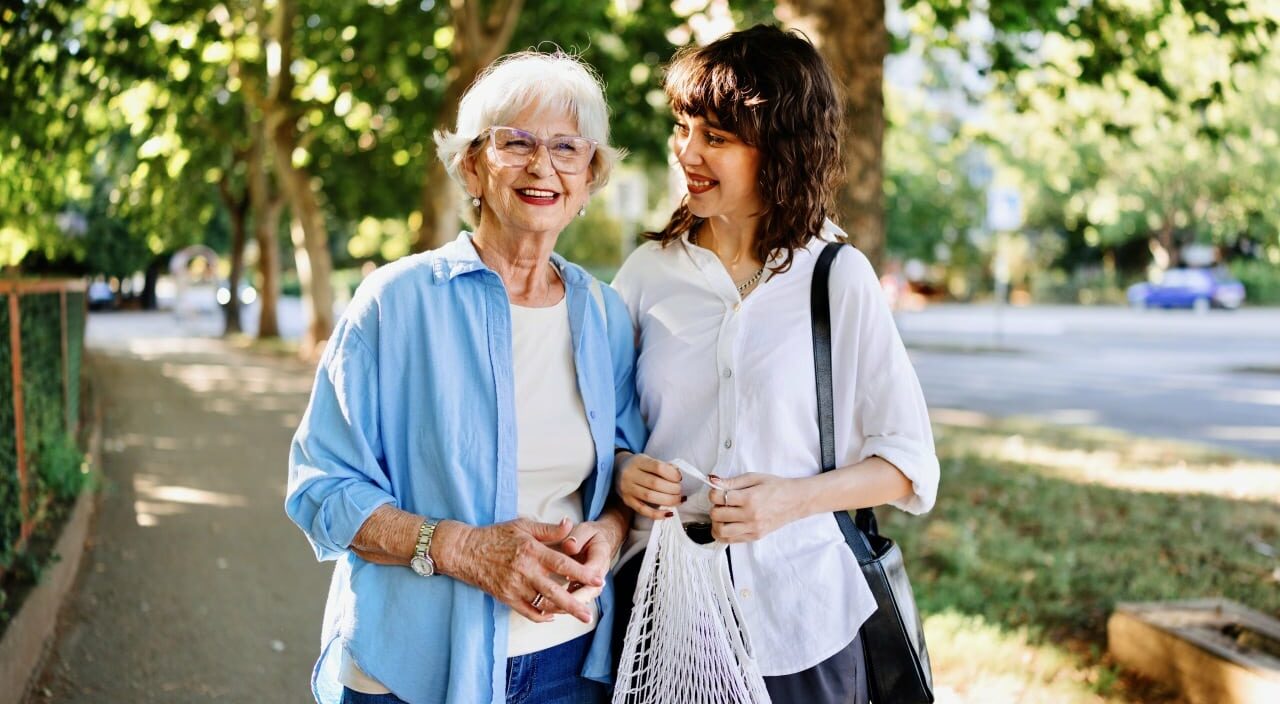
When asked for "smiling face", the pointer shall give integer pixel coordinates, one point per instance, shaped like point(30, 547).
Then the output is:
point(530, 199)
point(722, 171)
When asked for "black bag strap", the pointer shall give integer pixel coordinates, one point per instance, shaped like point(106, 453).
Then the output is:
point(855, 533)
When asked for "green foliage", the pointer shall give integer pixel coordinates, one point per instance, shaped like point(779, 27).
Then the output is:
point(10, 517)
point(54, 463)
point(592, 241)
point(931, 205)
point(1087, 285)
point(1183, 156)
point(1030, 531)
point(1261, 281)
point(344, 282)
point(59, 466)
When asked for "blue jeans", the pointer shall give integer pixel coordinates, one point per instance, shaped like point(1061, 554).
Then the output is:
point(546, 677)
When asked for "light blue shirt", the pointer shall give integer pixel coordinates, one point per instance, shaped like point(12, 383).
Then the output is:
point(413, 406)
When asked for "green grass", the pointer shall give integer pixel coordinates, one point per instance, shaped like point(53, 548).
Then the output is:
point(1040, 530)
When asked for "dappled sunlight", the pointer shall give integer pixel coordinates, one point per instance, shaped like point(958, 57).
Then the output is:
point(225, 406)
point(262, 404)
point(125, 441)
point(1116, 467)
point(977, 662)
point(156, 500)
point(154, 348)
point(204, 378)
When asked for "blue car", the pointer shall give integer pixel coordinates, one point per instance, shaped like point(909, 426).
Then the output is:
point(1198, 289)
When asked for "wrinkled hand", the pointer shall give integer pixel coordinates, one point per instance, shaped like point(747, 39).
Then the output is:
point(750, 506)
point(592, 544)
point(515, 561)
point(649, 486)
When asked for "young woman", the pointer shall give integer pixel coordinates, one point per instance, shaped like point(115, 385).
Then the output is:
point(725, 373)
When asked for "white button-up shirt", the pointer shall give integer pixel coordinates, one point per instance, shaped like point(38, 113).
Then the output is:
point(728, 385)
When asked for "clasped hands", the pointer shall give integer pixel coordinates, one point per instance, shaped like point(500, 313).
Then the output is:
point(559, 566)
point(744, 508)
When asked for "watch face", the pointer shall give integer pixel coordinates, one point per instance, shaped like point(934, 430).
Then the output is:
point(423, 566)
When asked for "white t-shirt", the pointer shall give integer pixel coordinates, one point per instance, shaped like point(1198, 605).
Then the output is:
point(555, 454)
point(728, 385)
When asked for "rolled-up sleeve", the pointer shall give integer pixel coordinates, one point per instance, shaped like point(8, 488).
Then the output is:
point(336, 475)
point(890, 414)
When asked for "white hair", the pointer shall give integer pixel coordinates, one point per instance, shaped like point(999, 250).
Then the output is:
point(513, 83)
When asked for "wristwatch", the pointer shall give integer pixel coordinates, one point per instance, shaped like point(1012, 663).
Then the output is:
point(421, 561)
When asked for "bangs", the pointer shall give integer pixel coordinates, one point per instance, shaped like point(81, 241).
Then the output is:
point(546, 101)
point(702, 84)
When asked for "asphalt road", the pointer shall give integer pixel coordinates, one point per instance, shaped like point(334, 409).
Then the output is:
point(1211, 378)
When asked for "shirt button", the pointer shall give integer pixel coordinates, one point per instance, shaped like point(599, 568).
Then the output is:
point(728, 373)
point(728, 444)
point(592, 415)
point(746, 593)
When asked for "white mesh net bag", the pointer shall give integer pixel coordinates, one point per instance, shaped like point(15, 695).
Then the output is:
point(685, 642)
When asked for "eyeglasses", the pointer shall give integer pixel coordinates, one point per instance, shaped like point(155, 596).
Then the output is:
point(570, 154)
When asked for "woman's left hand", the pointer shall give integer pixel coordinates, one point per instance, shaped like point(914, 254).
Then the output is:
point(750, 506)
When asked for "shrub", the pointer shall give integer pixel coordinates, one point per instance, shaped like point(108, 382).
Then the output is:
point(1261, 280)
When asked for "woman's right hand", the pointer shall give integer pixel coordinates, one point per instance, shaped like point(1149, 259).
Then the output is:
point(649, 486)
point(514, 561)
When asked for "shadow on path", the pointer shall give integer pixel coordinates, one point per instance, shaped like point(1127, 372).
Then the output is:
point(195, 586)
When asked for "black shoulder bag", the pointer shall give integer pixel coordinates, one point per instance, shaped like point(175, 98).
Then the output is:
point(893, 638)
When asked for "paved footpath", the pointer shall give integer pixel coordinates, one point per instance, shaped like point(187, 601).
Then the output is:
point(195, 587)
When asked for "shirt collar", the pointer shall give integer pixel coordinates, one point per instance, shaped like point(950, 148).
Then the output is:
point(460, 257)
point(831, 232)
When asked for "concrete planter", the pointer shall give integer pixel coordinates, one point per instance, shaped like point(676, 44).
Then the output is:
point(1214, 651)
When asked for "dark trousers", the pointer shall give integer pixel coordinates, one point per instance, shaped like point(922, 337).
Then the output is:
point(840, 679)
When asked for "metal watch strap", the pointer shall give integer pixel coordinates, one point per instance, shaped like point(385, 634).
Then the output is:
point(421, 561)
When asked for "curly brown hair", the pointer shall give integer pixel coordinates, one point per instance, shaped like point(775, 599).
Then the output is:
point(773, 90)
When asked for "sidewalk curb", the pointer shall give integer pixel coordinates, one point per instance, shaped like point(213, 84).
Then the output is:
point(31, 633)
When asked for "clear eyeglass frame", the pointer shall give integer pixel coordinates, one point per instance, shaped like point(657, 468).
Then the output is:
point(570, 154)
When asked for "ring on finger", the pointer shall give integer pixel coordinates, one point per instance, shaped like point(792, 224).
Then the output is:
point(726, 496)
point(537, 601)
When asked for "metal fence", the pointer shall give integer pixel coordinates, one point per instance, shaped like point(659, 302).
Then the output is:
point(41, 345)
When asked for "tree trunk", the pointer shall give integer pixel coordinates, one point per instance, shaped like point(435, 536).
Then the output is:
point(478, 40)
point(147, 297)
point(310, 237)
point(238, 211)
point(266, 222)
point(1164, 249)
point(852, 36)
point(315, 272)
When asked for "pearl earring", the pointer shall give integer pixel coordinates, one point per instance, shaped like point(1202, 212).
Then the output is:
point(475, 201)
point(582, 212)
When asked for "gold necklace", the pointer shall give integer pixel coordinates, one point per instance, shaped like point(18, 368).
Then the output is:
point(742, 287)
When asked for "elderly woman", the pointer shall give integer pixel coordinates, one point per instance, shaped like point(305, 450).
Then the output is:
point(457, 454)
point(721, 297)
